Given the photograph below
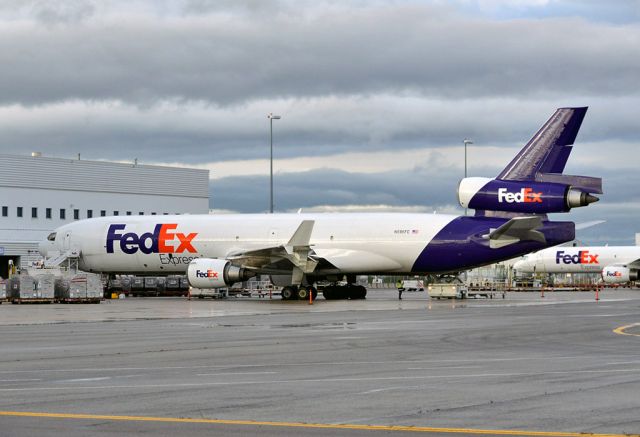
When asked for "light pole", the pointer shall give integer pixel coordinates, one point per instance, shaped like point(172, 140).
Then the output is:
point(271, 117)
point(466, 142)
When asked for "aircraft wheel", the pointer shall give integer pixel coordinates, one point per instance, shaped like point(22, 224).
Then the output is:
point(303, 293)
point(357, 292)
point(330, 293)
point(288, 293)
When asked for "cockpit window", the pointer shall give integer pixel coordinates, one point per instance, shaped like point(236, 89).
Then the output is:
point(52, 236)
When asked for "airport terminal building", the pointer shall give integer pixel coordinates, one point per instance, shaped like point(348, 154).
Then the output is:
point(38, 194)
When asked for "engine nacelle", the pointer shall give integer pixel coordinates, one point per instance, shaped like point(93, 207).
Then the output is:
point(215, 273)
point(619, 274)
point(520, 196)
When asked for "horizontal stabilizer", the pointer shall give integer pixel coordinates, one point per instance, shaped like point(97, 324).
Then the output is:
point(585, 183)
point(585, 225)
point(515, 230)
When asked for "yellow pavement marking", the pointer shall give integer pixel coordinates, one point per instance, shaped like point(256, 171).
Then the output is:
point(622, 329)
point(422, 429)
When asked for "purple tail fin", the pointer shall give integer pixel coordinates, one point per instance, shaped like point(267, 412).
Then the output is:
point(549, 149)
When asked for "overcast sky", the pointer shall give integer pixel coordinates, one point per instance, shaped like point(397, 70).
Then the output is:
point(375, 96)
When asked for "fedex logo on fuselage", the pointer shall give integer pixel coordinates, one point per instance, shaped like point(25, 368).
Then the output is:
point(161, 240)
point(582, 257)
point(526, 195)
point(207, 274)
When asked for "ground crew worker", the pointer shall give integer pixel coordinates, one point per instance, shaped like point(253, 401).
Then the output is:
point(400, 286)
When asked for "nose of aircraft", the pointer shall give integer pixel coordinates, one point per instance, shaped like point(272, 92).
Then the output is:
point(45, 246)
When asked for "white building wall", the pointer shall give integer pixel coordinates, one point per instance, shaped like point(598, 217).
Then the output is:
point(100, 187)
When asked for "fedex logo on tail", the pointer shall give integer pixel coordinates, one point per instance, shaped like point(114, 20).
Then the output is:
point(161, 240)
point(525, 195)
point(207, 274)
point(582, 257)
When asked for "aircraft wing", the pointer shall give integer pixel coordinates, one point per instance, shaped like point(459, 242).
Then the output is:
point(297, 254)
point(635, 264)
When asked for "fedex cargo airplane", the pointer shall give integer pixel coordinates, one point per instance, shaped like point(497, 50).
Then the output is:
point(298, 250)
point(616, 264)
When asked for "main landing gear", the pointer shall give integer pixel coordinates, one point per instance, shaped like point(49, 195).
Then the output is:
point(349, 291)
point(291, 292)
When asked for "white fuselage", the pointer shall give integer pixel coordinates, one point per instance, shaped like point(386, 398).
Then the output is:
point(588, 259)
point(353, 243)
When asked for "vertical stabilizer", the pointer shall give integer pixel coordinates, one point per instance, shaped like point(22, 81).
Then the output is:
point(548, 150)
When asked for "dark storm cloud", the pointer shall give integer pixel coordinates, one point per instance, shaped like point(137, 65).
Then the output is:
point(196, 133)
point(331, 187)
point(230, 57)
point(190, 81)
point(430, 188)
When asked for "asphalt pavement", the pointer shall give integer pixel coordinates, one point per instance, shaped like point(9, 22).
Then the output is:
point(519, 366)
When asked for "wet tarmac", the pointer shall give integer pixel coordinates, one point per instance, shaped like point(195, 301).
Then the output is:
point(523, 365)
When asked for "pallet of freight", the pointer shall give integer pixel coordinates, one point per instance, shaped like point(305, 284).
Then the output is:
point(3, 290)
point(213, 293)
point(82, 288)
point(23, 288)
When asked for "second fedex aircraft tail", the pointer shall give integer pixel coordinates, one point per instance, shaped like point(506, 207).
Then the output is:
point(533, 182)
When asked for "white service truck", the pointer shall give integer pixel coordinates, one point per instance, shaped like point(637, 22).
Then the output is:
point(412, 285)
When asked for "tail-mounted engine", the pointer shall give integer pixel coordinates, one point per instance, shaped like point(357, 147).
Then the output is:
point(215, 273)
point(521, 196)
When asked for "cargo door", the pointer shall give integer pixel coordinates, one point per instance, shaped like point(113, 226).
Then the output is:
point(66, 243)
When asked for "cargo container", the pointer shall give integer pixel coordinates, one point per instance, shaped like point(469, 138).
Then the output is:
point(172, 283)
point(23, 288)
point(84, 288)
point(126, 284)
point(161, 284)
point(115, 285)
point(170, 286)
point(137, 283)
point(150, 283)
point(45, 285)
point(3, 290)
point(213, 293)
point(184, 283)
point(61, 288)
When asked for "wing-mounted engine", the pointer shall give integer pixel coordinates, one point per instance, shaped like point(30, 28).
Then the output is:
point(215, 273)
point(527, 197)
point(619, 274)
